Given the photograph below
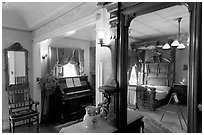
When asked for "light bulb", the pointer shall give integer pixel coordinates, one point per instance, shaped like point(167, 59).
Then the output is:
point(166, 46)
point(175, 43)
point(101, 34)
point(181, 46)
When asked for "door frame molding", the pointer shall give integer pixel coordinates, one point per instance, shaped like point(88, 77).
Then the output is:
point(126, 11)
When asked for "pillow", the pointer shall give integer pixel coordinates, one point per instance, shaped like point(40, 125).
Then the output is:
point(141, 87)
point(162, 88)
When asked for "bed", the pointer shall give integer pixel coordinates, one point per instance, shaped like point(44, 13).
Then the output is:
point(155, 90)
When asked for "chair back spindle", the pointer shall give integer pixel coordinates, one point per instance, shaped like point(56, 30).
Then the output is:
point(19, 96)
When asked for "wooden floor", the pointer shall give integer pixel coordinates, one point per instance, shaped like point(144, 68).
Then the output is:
point(170, 121)
point(33, 129)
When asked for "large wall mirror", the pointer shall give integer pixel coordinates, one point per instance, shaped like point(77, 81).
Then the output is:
point(16, 58)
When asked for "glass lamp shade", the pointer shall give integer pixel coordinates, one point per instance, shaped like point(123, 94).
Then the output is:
point(101, 34)
point(175, 43)
point(166, 46)
point(181, 46)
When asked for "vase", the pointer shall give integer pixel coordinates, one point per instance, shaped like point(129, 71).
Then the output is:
point(90, 118)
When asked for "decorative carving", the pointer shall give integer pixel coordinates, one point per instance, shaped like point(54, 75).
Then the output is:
point(107, 91)
point(16, 47)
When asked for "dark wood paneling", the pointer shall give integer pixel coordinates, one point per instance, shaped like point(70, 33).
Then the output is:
point(195, 69)
point(122, 73)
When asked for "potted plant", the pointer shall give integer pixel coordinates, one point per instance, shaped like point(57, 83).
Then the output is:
point(48, 83)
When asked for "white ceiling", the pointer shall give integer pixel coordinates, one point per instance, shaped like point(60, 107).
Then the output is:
point(155, 24)
point(87, 33)
point(160, 23)
point(37, 14)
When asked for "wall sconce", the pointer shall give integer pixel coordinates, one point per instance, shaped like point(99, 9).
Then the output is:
point(44, 56)
point(101, 37)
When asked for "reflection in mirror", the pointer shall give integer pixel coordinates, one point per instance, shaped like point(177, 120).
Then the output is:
point(16, 67)
point(16, 64)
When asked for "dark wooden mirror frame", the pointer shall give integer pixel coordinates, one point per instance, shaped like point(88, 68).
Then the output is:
point(17, 48)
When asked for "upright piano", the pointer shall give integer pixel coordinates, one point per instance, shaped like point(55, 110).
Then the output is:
point(76, 94)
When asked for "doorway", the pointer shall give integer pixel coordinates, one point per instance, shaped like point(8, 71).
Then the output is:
point(148, 34)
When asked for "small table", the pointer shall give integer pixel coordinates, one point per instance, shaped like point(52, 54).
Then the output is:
point(102, 127)
point(181, 91)
point(133, 118)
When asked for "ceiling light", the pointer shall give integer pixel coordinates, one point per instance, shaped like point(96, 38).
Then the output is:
point(166, 46)
point(175, 43)
point(181, 46)
point(101, 34)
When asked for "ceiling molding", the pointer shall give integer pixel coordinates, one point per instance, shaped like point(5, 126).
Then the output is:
point(15, 29)
point(56, 14)
point(84, 22)
point(77, 39)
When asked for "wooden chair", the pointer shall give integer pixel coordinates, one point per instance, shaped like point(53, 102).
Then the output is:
point(21, 106)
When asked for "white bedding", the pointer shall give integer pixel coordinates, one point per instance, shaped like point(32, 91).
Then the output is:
point(161, 91)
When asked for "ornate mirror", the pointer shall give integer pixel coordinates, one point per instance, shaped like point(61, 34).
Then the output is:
point(16, 58)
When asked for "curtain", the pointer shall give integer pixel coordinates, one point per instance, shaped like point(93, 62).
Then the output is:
point(129, 75)
point(81, 61)
point(133, 59)
point(64, 55)
point(52, 59)
point(137, 72)
point(75, 60)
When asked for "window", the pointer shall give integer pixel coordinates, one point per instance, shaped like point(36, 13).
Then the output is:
point(69, 70)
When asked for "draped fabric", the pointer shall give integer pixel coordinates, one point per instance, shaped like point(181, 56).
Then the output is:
point(75, 60)
point(133, 59)
point(81, 60)
point(64, 55)
point(52, 59)
point(129, 75)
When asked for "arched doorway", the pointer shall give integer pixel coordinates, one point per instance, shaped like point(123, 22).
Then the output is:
point(124, 13)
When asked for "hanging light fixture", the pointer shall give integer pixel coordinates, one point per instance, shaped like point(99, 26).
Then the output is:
point(166, 46)
point(181, 46)
point(176, 43)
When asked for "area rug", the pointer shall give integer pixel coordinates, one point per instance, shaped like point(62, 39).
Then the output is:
point(153, 126)
point(152, 123)
point(59, 127)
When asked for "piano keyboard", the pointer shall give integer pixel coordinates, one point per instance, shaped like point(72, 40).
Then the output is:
point(75, 92)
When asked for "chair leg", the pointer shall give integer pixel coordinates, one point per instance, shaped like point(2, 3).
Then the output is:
point(9, 125)
point(29, 122)
point(13, 127)
point(142, 126)
point(38, 123)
